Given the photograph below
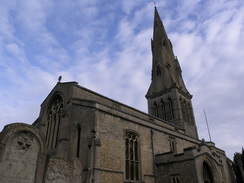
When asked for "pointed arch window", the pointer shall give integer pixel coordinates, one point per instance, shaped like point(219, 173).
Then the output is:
point(183, 109)
point(158, 71)
point(207, 174)
point(132, 156)
point(187, 113)
point(155, 108)
point(53, 121)
point(190, 113)
point(169, 110)
point(163, 110)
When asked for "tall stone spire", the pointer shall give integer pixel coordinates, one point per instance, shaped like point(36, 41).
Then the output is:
point(168, 97)
point(166, 71)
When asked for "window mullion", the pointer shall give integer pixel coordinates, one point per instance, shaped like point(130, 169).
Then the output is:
point(132, 159)
point(134, 166)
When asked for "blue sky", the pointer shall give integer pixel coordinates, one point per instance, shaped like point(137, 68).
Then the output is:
point(105, 46)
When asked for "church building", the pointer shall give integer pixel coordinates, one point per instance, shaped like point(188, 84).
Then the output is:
point(81, 136)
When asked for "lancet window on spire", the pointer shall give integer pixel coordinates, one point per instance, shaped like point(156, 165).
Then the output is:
point(155, 23)
point(158, 71)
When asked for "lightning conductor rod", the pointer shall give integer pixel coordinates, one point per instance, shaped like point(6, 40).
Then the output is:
point(207, 124)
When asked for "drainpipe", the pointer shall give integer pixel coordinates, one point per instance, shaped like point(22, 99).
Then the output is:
point(92, 161)
point(93, 155)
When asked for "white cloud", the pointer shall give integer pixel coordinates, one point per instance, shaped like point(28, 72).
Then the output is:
point(128, 5)
point(30, 15)
point(209, 50)
point(105, 46)
point(15, 50)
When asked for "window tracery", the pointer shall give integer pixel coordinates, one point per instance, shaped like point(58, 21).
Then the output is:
point(132, 156)
point(53, 121)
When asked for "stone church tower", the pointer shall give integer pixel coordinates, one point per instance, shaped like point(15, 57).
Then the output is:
point(168, 97)
point(81, 136)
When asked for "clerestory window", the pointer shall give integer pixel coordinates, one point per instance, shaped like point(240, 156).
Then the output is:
point(132, 172)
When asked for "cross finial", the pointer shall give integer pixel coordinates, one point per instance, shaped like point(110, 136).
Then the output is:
point(154, 3)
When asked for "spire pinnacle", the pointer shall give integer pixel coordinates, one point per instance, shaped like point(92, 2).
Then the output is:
point(168, 97)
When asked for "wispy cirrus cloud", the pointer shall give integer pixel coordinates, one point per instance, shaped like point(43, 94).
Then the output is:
point(105, 46)
point(209, 50)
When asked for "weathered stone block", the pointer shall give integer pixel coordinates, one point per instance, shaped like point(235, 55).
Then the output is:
point(61, 171)
point(22, 154)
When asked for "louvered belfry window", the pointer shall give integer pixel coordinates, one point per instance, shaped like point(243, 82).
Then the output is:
point(132, 156)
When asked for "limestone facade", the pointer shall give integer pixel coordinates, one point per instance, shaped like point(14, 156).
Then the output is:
point(81, 136)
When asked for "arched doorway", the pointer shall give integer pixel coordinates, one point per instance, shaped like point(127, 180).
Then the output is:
point(207, 173)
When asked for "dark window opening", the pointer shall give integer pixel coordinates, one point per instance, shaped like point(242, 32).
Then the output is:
point(155, 109)
point(169, 110)
point(175, 179)
point(207, 174)
point(158, 71)
point(78, 131)
point(163, 110)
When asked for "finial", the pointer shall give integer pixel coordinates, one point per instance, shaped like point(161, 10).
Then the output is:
point(154, 4)
point(59, 78)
